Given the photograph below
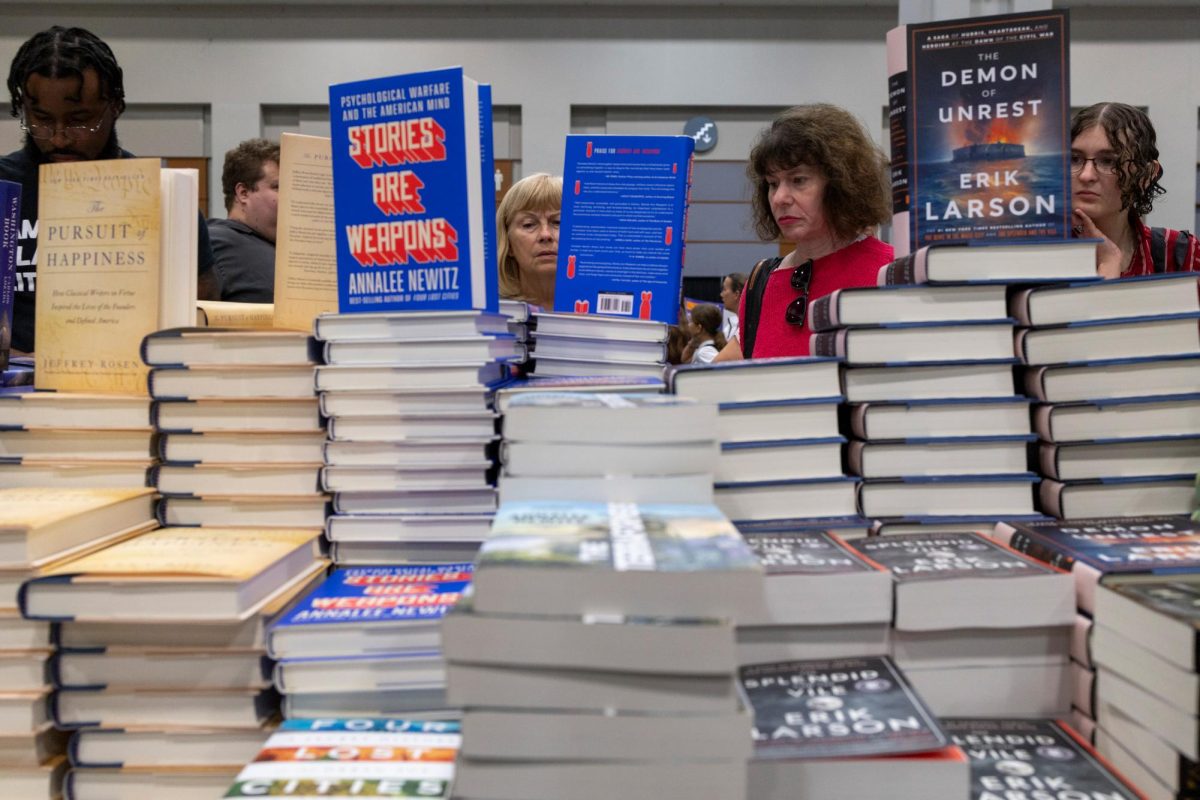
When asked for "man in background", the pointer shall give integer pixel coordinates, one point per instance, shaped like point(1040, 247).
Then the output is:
point(244, 244)
point(68, 92)
point(731, 296)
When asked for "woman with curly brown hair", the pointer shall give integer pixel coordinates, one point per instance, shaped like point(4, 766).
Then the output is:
point(1114, 179)
point(820, 183)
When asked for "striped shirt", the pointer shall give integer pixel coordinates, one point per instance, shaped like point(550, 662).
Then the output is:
point(1163, 250)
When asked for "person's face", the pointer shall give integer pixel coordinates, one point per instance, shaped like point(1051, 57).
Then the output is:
point(1095, 190)
point(729, 297)
point(796, 197)
point(73, 113)
point(260, 203)
point(533, 240)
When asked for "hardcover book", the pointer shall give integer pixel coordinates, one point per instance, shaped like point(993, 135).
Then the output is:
point(305, 255)
point(10, 230)
point(413, 198)
point(1160, 613)
point(987, 111)
point(116, 261)
point(1008, 753)
point(624, 223)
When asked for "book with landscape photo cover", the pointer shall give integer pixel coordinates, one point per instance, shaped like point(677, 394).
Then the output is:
point(413, 193)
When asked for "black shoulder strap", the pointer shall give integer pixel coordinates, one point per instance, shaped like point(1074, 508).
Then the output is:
point(756, 287)
point(1158, 249)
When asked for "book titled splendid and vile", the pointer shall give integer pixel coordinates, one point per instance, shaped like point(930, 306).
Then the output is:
point(366, 757)
point(1011, 754)
point(116, 256)
point(10, 229)
point(624, 222)
point(1093, 549)
point(413, 205)
point(620, 558)
point(362, 610)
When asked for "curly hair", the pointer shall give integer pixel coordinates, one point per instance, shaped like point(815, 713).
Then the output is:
point(1132, 138)
point(60, 52)
point(244, 165)
point(540, 191)
point(833, 141)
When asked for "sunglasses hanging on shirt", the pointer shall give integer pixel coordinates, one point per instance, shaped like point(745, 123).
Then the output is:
point(797, 310)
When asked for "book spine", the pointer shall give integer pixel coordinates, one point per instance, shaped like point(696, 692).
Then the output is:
point(858, 420)
point(1048, 461)
point(898, 127)
point(10, 231)
point(1033, 547)
point(822, 312)
point(854, 457)
point(832, 343)
point(1043, 423)
point(1035, 383)
point(901, 272)
point(1018, 307)
point(1020, 344)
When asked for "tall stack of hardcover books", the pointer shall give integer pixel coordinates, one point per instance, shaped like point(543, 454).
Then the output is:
point(161, 665)
point(239, 432)
point(1003, 653)
point(40, 528)
point(595, 654)
point(780, 466)
point(1115, 368)
point(411, 431)
point(584, 344)
point(1147, 686)
point(597, 447)
point(1097, 552)
point(366, 643)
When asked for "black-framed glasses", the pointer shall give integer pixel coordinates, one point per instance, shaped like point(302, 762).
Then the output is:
point(45, 133)
point(1105, 164)
point(797, 310)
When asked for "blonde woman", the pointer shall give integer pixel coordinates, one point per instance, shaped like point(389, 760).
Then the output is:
point(527, 239)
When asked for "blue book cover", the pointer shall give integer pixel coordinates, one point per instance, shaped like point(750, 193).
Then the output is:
point(624, 220)
point(414, 193)
point(368, 595)
point(10, 229)
point(988, 150)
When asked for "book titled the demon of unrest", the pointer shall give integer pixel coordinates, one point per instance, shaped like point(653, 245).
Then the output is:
point(624, 219)
point(414, 203)
point(987, 119)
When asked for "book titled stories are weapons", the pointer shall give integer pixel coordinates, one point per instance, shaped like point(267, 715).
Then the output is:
point(412, 171)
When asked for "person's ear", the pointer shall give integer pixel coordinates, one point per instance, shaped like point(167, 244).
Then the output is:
point(240, 192)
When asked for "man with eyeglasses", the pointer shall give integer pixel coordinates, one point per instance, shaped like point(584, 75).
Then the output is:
point(68, 91)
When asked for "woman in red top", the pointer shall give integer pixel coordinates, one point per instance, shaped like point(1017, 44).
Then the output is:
point(820, 183)
point(1114, 179)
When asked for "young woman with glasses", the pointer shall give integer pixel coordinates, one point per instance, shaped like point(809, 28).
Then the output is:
point(820, 183)
point(1115, 177)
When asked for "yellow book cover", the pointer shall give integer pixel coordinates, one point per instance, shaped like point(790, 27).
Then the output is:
point(227, 314)
point(98, 273)
point(23, 510)
point(193, 554)
point(305, 256)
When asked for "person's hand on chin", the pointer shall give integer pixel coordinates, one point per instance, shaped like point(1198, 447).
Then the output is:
point(1108, 254)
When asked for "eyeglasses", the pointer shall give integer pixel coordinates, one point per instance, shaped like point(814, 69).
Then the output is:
point(797, 310)
point(46, 132)
point(1105, 165)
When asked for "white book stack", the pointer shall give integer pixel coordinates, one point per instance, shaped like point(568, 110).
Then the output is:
point(366, 642)
point(1148, 680)
point(411, 431)
point(780, 465)
point(1115, 368)
point(239, 433)
point(575, 345)
point(595, 655)
point(603, 447)
point(979, 629)
point(938, 435)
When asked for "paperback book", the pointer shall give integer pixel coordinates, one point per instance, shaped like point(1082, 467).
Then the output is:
point(10, 228)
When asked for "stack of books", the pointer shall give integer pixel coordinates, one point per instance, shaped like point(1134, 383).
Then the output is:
point(846, 727)
point(520, 320)
point(824, 600)
point(599, 447)
point(75, 439)
point(586, 344)
point(162, 632)
point(239, 431)
point(939, 434)
point(1005, 652)
point(1147, 686)
point(1012, 755)
point(595, 656)
point(367, 643)
point(1097, 551)
point(352, 757)
point(780, 466)
point(1115, 367)
point(40, 528)
point(411, 432)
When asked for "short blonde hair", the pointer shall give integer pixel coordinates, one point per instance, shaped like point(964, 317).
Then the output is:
point(540, 191)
